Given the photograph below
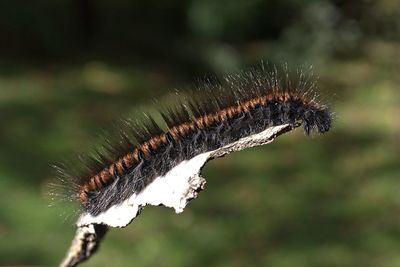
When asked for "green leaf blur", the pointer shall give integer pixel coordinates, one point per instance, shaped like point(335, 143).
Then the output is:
point(69, 70)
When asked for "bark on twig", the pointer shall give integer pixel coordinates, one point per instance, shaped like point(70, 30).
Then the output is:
point(86, 241)
point(88, 235)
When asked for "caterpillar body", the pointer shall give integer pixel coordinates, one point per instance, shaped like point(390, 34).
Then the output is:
point(162, 167)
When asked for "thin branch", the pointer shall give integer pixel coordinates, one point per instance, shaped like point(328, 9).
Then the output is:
point(89, 235)
point(86, 241)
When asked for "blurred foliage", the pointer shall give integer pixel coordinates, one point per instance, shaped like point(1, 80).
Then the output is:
point(70, 69)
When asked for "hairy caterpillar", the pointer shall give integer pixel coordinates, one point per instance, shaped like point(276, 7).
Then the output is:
point(162, 167)
point(241, 106)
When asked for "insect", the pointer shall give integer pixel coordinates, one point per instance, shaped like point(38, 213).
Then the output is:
point(163, 167)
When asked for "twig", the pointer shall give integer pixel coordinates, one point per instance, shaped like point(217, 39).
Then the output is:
point(88, 236)
point(85, 243)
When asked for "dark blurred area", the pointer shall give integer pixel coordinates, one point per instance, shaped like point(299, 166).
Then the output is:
point(179, 34)
point(70, 69)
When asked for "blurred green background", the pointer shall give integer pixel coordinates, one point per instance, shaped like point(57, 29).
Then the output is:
point(70, 69)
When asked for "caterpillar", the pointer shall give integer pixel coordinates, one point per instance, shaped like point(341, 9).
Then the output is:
point(150, 165)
